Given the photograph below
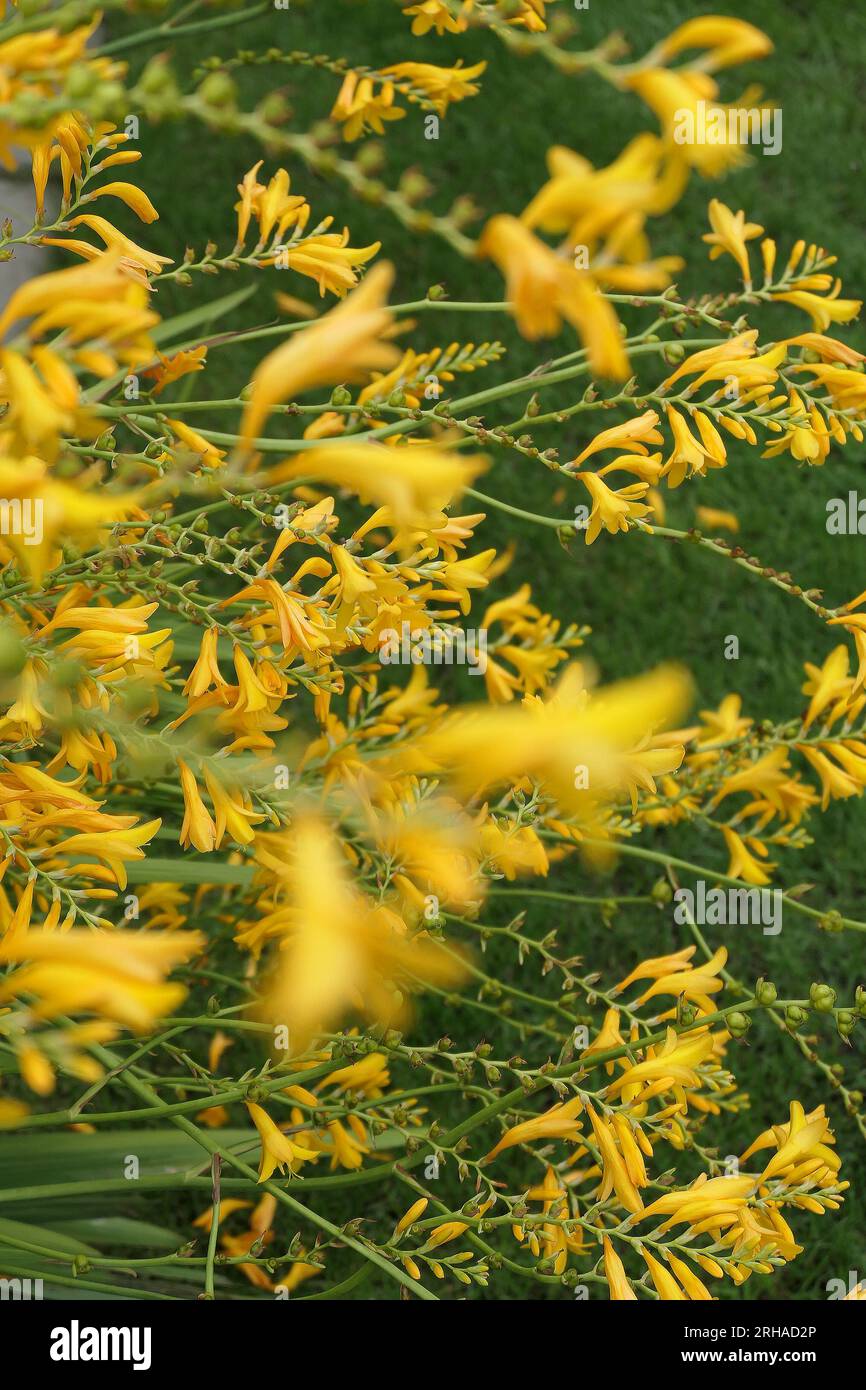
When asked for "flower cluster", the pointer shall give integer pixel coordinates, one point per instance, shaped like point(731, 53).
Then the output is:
point(217, 795)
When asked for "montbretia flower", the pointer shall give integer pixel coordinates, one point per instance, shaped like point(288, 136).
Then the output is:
point(723, 40)
point(343, 345)
point(544, 289)
point(614, 1272)
point(135, 259)
point(730, 233)
point(413, 485)
point(673, 1064)
point(278, 1150)
point(442, 85)
point(623, 1170)
point(612, 509)
point(117, 975)
point(746, 853)
point(560, 1122)
point(363, 105)
point(438, 15)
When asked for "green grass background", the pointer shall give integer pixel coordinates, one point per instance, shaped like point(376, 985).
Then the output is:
point(645, 600)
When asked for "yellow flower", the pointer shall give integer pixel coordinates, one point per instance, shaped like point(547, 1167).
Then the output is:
point(744, 854)
point(836, 784)
point(703, 132)
point(198, 828)
point(343, 345)
point(634, 434)
point(233, 811)
point(802, 1148)
point(275, 208)
point(127, 193)
point(41, 407)
point(36, 1069)
point(621, 1172)
point(442, 85)
point(675, 1062)
point(436, 14)
point(607, 1039)
point(620, 1288)
point(206, 672)
point(544, 288)
point(855, 623)
point(171, 369)
point(729, 349)
point(134, 258)
point(726, 41)
point(730, 233)
point(12, 1112)
point(706, 1199)
point(327, 258)
point(560, 1122)
point(360, 107)
point(278, 1150)
point(805, 434)
point(822, 309)
point(714, 519)
point(515, 851)
point(587, 204)
point(725, 723)
point(665, 1284)
point(118, 975)
point(346, 1152)
point(339, 950)
point(826, 684)
point(416, 1210)
point(530, 16)
point(92, 303)
point(452, 1230)
point(693, 983)
point(227, 1207)
point(694, 1287)
point(612, 509)
point(414, 484)
point(489, 746)
point(114, 847)
point(656, 967)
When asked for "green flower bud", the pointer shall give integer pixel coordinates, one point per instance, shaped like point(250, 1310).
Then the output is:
point(738, 1024)
point(80, 80)
point(661, 892)
point(110, 103)
point(846, 1021)
point(156, 79)
point(12, 653)
point(822, 998)
point(765, 992)
point(274, 108)
point(831, 921)
point(218, 89)
point(795, 1015)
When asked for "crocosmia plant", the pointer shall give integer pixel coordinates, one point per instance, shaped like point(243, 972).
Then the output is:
point(391, 903)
